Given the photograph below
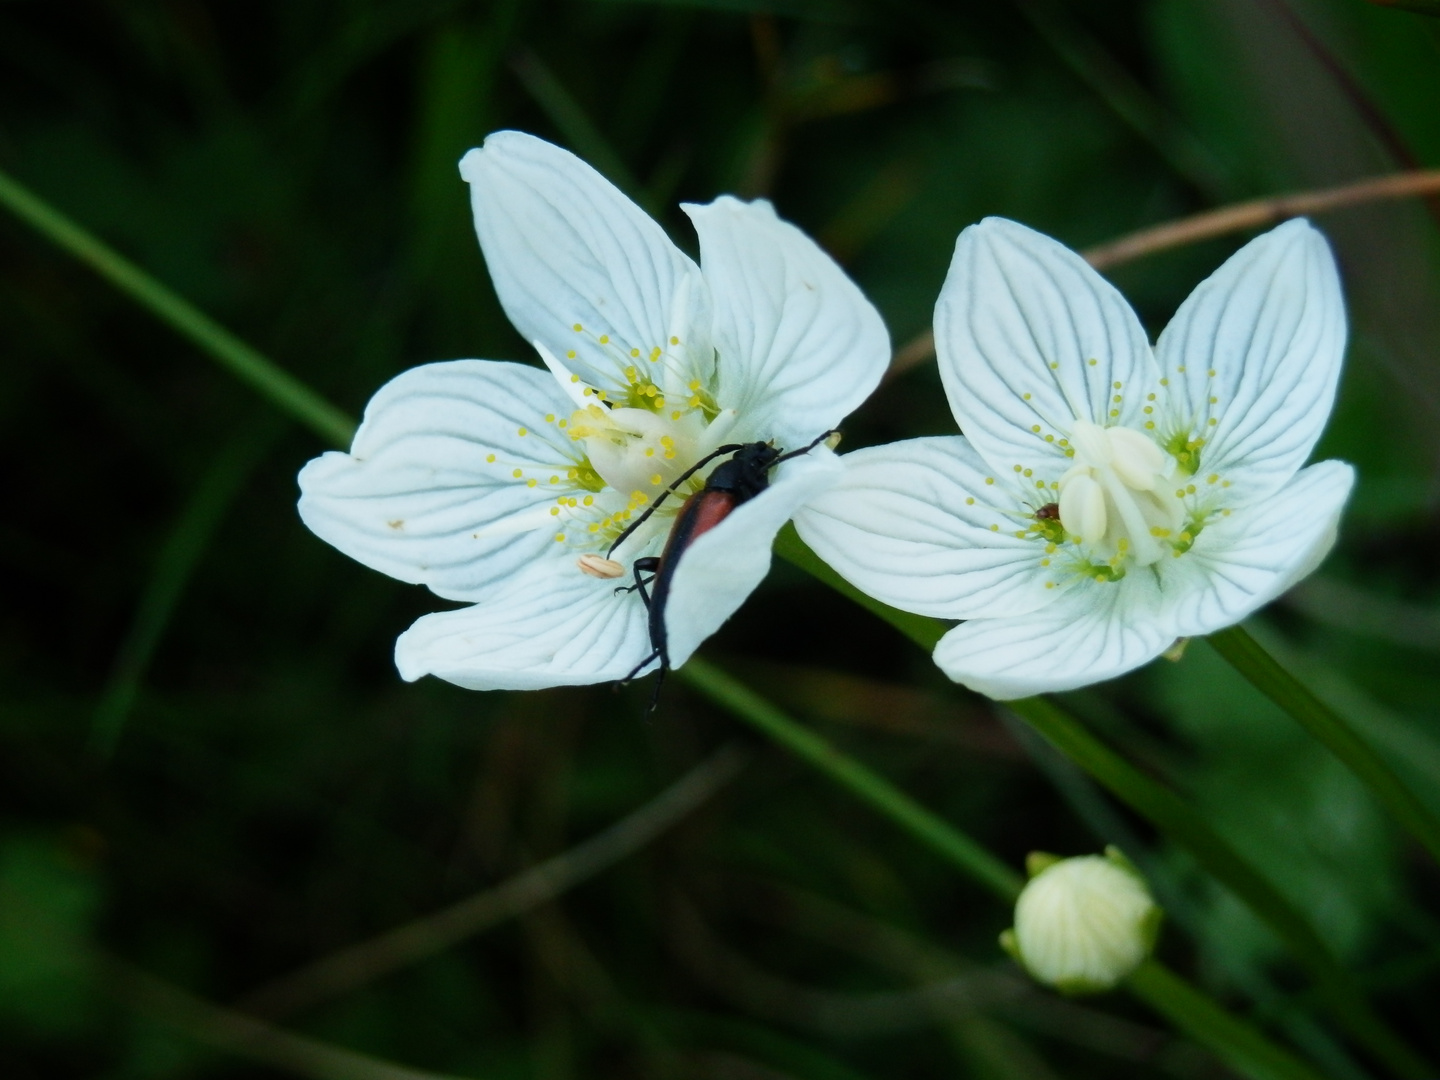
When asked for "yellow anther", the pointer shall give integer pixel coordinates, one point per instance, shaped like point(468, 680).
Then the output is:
point(518, 473)
point(490, 458)
point(1211, 373)
point(570, 355)
point(989, 479)
point(574, 378)
point(554, 479)
point(1035, 428)
point(634, 353)
point(1018, 468)
point(1092, 362)
point(969, 501)
point(554, 511)
point(604, 339)
point(1044, 562)
point(1212, 421)
point(655, 478)
point(589, 500)
point(577, 328)
point(1050, 548)
point(1027, 472)
point(1150, 424)
point(1116, 399)
point(523, 433)
point(1026, 397)
point(1117, 386)
point(559, 538)
point(649, 451)
point(1149, 409)
point(1149, 397)
point(1181, 369)
point(1049, 584)
point(675, 415)
point(1054, 367)
point(563, 423)
point(1020, 533)
point(1049, 438)
point(1190, 489)
point(1164, 382)
point(994, 528)
point(531, 482)
point(674, 340)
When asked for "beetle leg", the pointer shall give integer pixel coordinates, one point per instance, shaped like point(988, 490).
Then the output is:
point(648, 565)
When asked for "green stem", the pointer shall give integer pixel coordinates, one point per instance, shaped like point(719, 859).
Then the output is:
point(1249, 658)
point(1235, 1042)
point(749, 706)
point(1244, 1047)
point(239, 359)
point(1173, 816)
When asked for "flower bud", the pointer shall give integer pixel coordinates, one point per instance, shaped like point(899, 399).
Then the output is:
point(1082, 924)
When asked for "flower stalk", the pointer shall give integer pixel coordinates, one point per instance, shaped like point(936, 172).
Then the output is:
point(1264, 672)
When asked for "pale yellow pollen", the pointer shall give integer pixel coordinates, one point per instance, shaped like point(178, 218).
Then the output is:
point(1035, 428)
point(1211, 373)
point(589, 500)
point(570, 355)
point(574, 378)
point(1026, 397)
point(655, 478)
point(518, 473)
point(989, 480)
point(1092, 362)
point(531, 482)
point(549, 417)
point(969, 501)
point(674, 340)
point(577, 328)
point(994, 528)
point(554, 511)
point(1117, 386)
point(634, 353)
point(604, 339)
point(554, 479)
point(1164, 382)
point(523, 433)
point(490, 458)
point(559, 538)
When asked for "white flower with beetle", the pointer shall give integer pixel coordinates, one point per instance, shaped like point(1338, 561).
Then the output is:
point(507, 486)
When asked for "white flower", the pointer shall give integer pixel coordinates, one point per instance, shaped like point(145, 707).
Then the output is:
point(1083, 924)
point(1105, 498)
point(504, 485)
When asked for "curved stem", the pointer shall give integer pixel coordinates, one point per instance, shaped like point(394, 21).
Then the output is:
point(249, 366)
point(1244, 1047)
point(1249, 657)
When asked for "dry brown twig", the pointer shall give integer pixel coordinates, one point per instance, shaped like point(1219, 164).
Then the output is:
point(1213, 223)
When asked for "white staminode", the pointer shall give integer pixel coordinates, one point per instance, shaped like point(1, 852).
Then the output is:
point(1106, 498)
point(506, 485)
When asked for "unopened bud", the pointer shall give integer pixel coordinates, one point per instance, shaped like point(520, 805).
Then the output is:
point(1083, 924)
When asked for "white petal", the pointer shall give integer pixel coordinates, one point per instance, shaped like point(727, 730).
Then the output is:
point(1094, 631)
point(1029, 336)
point(416, 499)
point(1263, 336)
point(800, 347)
point(1242, 562)
point(723, 566)
point(910, 524)
point(566, 248)
point(550, 625)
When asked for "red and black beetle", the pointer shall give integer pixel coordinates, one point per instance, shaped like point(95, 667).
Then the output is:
point(733, 482)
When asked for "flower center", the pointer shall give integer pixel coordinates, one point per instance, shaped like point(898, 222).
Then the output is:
point(1118, 497)
point(637, 450)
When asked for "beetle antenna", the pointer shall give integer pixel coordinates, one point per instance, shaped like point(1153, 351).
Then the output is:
point(728, 448)
point(806, 449)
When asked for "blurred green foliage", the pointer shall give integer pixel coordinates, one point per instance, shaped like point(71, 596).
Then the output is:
point(208, 766)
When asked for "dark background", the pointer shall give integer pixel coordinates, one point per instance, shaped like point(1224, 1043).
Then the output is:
point(209, 769)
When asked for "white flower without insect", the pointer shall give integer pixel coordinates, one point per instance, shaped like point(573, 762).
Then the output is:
point(1105, 499)
point(505, 485)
